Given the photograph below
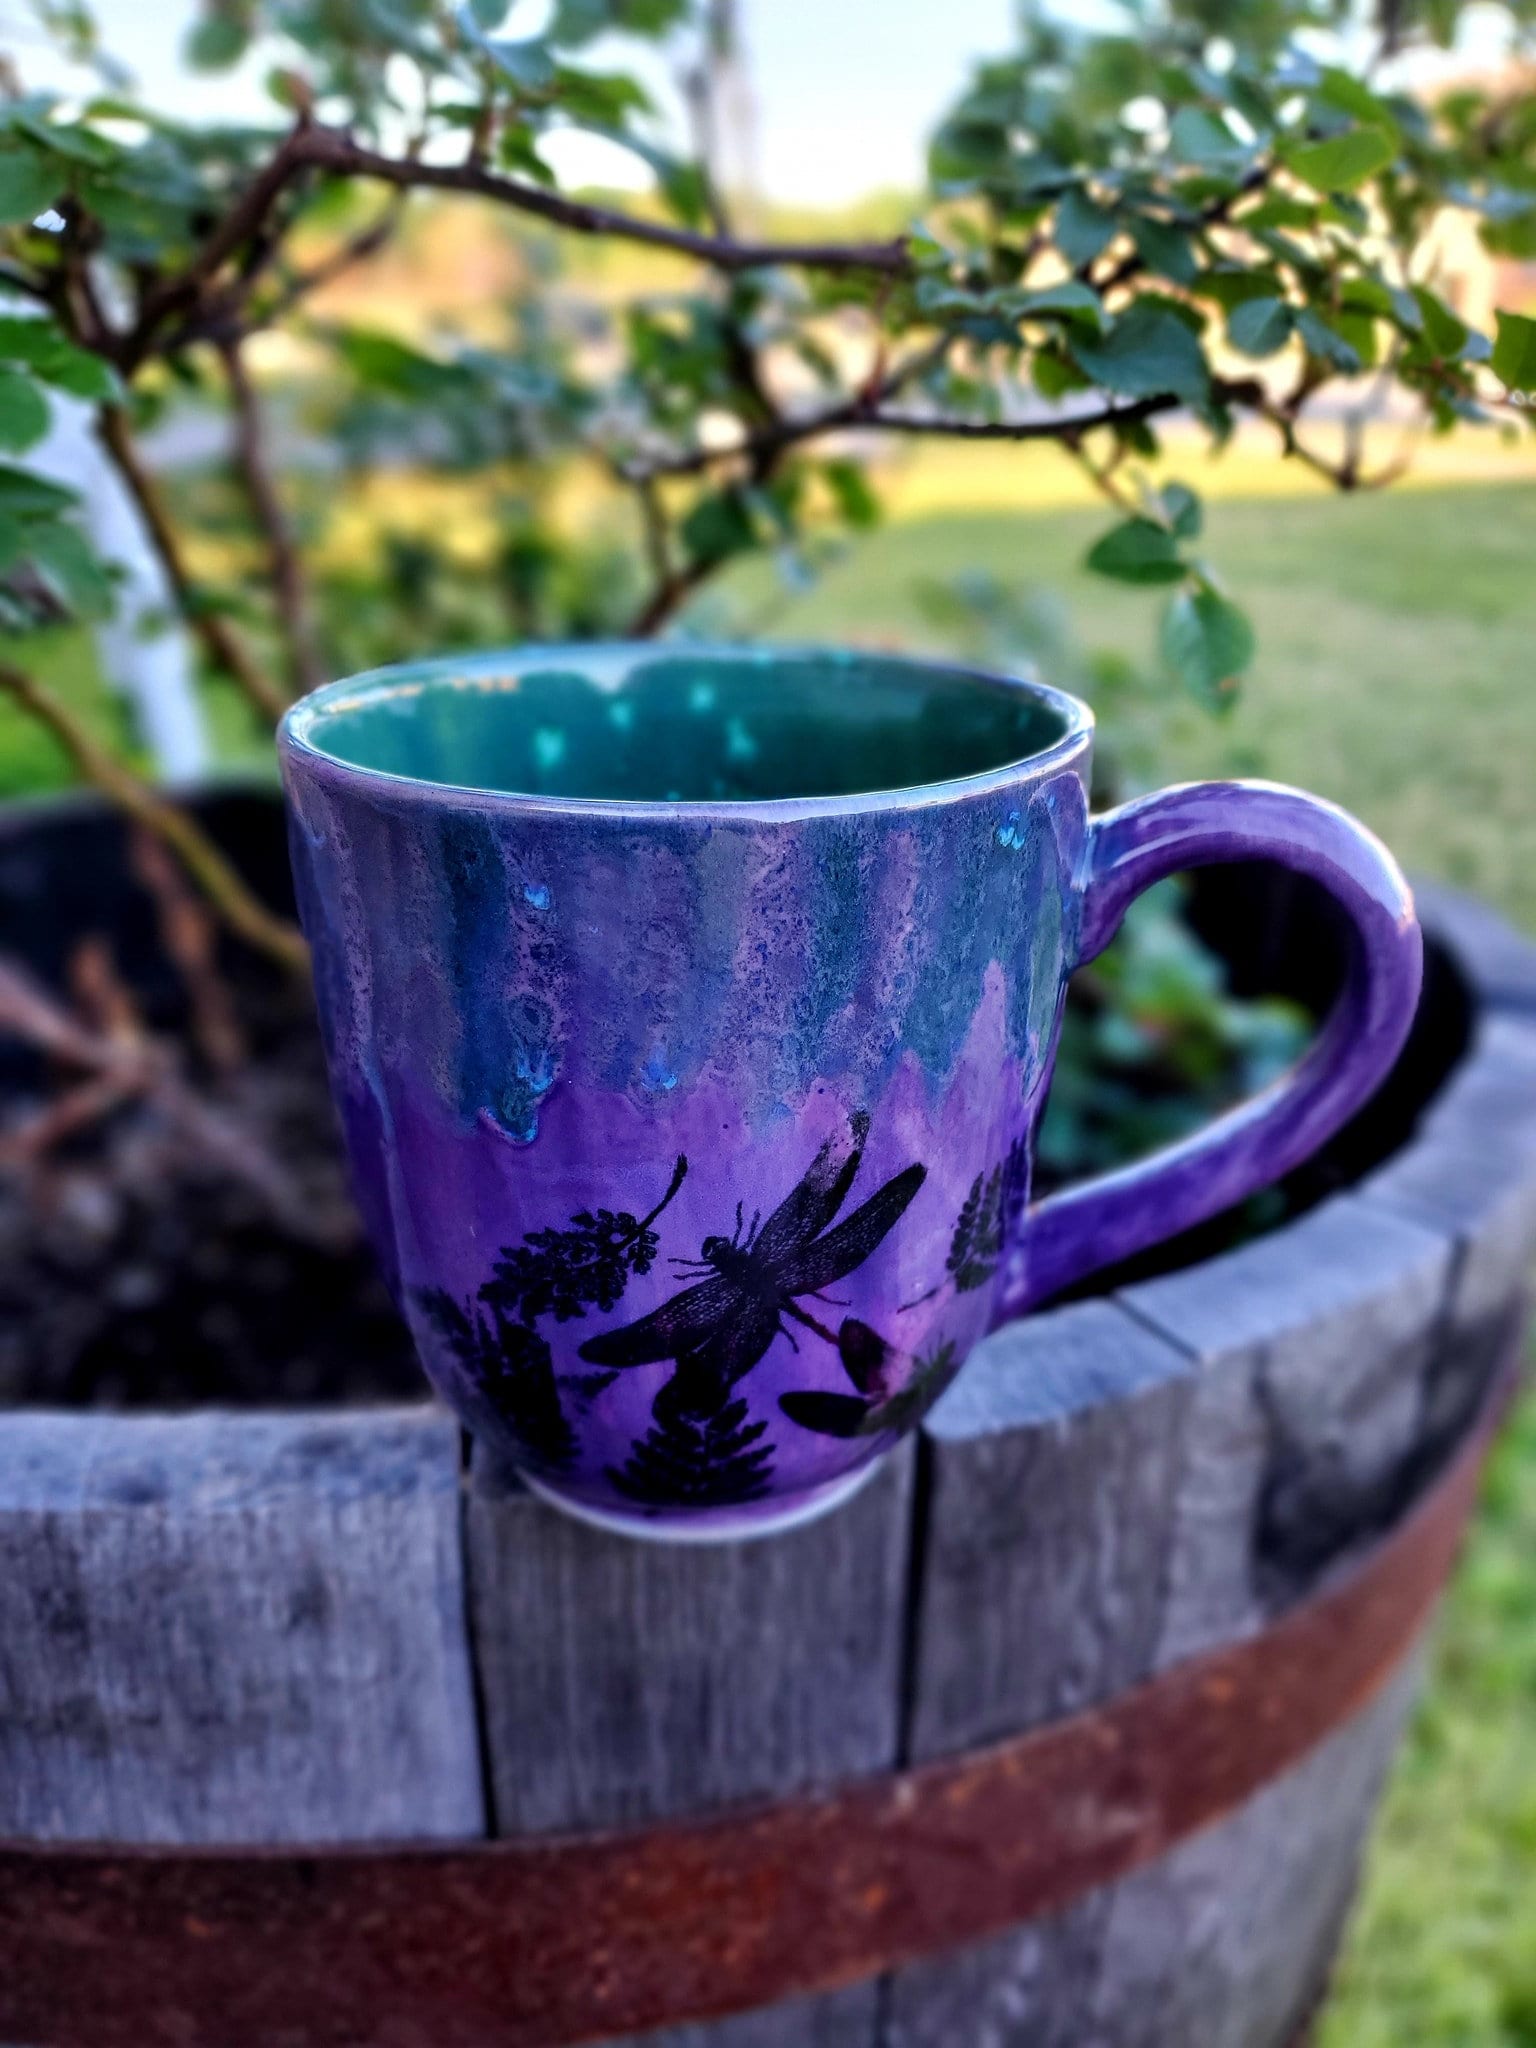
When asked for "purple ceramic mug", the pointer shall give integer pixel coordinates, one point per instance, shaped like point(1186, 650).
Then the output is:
point(690, 1012)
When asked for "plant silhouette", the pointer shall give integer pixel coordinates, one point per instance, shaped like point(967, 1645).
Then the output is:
point(888, 1398)
point(563, 1273)
point(553, 1272)
point(989, 1218)
point(512, 1365)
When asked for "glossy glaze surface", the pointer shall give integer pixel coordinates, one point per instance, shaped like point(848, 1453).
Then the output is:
point(695, 1134)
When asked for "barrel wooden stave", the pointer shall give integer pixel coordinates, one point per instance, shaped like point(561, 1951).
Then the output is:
point(223, 1627)
point(625, 1681)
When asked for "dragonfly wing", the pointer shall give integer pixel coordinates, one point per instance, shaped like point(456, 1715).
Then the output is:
point(705, 1376)
point(850, 1244)
point(820, 1194)
point(679, 1325)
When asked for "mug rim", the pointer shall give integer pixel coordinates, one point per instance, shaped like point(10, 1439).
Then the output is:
point(295, 735)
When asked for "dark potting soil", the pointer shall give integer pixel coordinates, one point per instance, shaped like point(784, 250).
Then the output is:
point(196, 1244)
point(147, 1265)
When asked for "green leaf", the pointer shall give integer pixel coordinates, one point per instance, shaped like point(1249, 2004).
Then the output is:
point(64, 558)
point(217, 42)
point(1055, 375)
point(1208, 643)
point(50, 355)
point(79, 144)
point(1164, 249)
point(381, 363)
point(1342, 161)
point(1280, 210)
point(23, 411)
point(28, 186)
point(578, 21)
point(528, 63)
point(1137, 551)
point(1181, 508)
point(1260, 326)
point(1326, 343)
point(1358, 330)
point(1353, 96)
point(850, 486)
point(718, 526)
point(1514, 352)
point(1197, 137)
point(1069, 298)
point(25, 495)
point(1083, 227)
point(1149, 353)
point(13, 541)
point(1443, 333)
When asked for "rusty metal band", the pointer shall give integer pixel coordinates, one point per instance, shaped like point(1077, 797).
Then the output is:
point(550, 1941)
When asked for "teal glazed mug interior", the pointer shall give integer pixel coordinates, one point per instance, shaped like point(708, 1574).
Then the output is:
point(690, 1012)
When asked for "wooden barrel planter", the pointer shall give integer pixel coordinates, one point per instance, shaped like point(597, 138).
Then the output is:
point(1068, 1730)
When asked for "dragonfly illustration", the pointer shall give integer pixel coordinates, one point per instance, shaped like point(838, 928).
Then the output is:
point(750, 1282)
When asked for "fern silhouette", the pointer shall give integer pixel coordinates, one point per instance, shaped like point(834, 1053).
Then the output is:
point(978, 1234)
point(697, 1460)
point(563, 1273)
point(512, 1366)
point(990, 1217)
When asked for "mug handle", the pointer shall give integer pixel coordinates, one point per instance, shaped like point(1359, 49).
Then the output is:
point(1069, 1235)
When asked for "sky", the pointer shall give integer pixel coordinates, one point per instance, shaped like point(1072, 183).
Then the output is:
point(845, 89)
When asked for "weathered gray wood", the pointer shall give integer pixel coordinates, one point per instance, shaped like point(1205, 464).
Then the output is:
point(1313, 1348)
point(1230, 1939)
point(1471, 1168)
point(623, 1681)
point(1121, 1484)
point(227, 1628)
point(1051, 1472)
point(1226, 1942)
point(1498, 961)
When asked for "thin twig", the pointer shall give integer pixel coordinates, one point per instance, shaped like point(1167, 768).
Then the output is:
point(289, 588)
point(358, 248)
point(122, 1062)
point(190, 940)
point(1101, 475)
point(221, 642)
point(229, 316)
point(207, 866)
point(243, 220)
point(860, 410)
point(668, 597)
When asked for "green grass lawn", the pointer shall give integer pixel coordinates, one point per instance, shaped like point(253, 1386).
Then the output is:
point(1397, 673)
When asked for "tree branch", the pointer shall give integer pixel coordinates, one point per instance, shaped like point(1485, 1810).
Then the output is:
point(207, 866)
point(244, 219)
point(330, 150)
point(289, 589)
point(221, 642)
point(311, 146)
point(866, 413)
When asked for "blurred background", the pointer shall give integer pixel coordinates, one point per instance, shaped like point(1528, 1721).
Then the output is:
point(1393, 670)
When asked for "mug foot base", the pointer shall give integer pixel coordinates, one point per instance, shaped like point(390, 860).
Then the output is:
point(726, 1525)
